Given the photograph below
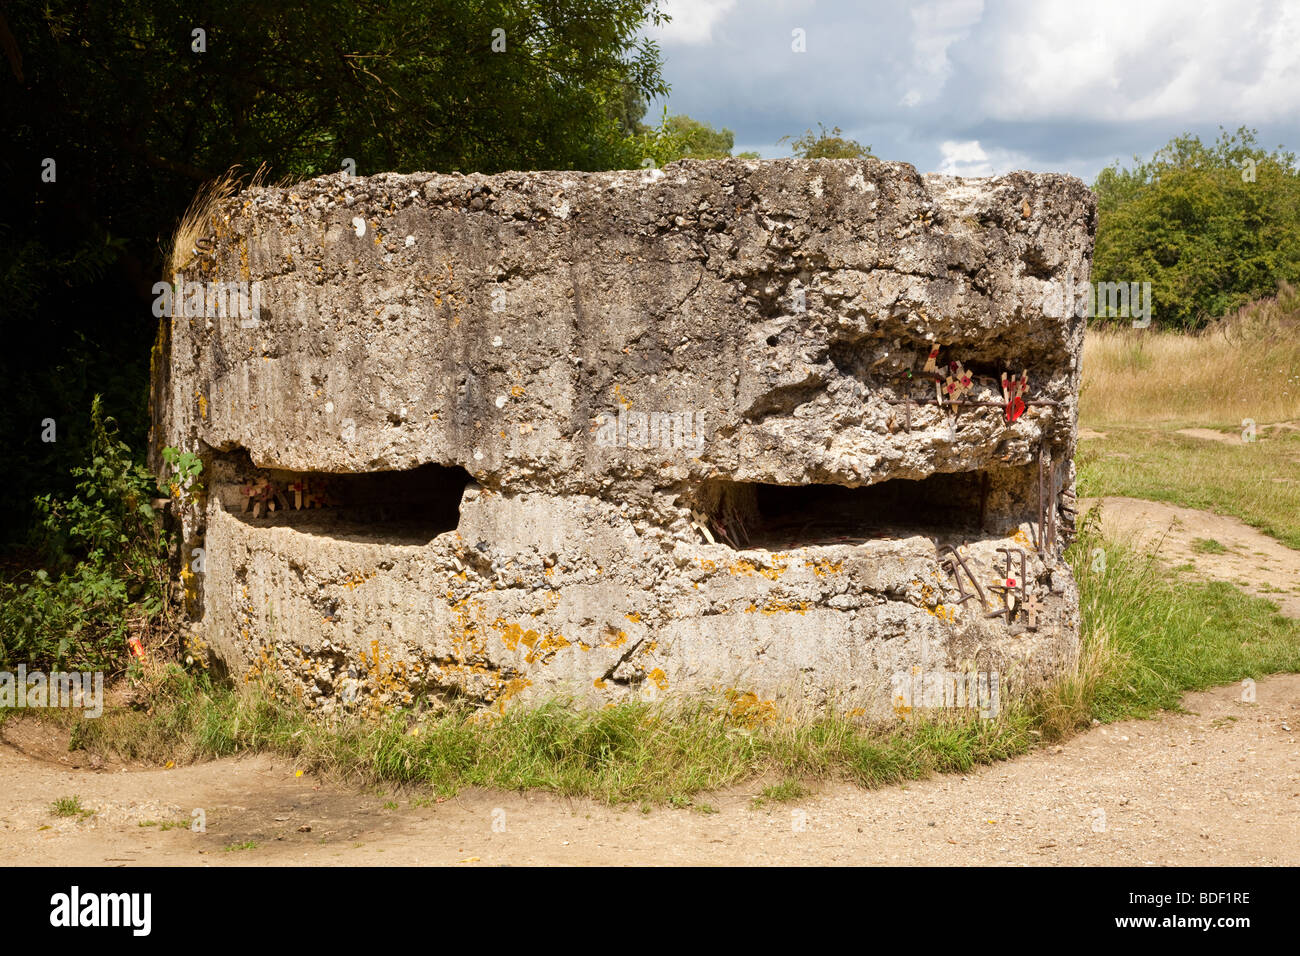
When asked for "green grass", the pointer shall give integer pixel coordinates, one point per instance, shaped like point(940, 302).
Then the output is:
point(165, 824)
point(1149, 636)
point(1258, 482)
point(1208, 546)
point(70, 807)
point(66, 807)
point(1160, 636)
point(246, 845)
point(786, 791)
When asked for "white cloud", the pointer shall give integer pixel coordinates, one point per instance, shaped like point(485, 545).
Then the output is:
point(936, 26)
point(1137, 62)
point(969, 158)
point(692, 20)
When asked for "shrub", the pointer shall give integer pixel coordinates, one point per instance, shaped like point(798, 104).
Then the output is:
point(106, 570)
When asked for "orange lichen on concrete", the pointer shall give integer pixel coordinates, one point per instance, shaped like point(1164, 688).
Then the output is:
point(749, 568)
point(747, 708)
point(824, 566)
point(777, 606)
point(942, 613)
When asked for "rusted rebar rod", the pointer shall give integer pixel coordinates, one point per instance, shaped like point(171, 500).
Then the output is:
point(931, 401)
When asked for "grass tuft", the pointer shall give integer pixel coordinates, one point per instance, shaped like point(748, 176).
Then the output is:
point(70, 807)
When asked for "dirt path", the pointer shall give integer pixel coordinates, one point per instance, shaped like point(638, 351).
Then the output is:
point(1252, 560)
point(1219, 785)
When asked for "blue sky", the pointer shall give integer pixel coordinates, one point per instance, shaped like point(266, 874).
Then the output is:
point(980, 87)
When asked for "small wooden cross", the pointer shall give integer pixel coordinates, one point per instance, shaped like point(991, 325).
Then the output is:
point(1032, 607)
point(964, 379)
point(930, 365)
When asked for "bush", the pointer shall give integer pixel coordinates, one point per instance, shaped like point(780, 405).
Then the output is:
point(106, 570)
point(1210, 227)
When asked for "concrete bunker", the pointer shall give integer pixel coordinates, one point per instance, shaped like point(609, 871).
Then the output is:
point(872, 475)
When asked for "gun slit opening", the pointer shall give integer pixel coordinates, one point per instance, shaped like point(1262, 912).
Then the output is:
point(781, 517)
point(410, 506)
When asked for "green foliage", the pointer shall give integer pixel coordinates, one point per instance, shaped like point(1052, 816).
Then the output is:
point(69, 807)
point(681, 137)
point(1193, 223)
point(108, 565)
point(700, 140)
point(185, 466)
point(826, 144)
point(137, 120)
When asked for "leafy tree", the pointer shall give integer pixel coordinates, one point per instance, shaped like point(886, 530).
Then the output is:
point(1210, 227)
point(682, 137)
point(826, 144)
point(701, 140)
point(137, 110)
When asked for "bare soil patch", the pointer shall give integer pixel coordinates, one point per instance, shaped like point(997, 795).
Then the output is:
point(1219, 785)
point(1252, 560)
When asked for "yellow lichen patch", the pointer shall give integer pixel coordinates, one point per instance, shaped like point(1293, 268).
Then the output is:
point(658, 678)
point(746, 708)
point(516, 390)
point(203, 405)
point(634, 617)
point(552, 642)
point(618, 397)
point(901, 707)
point(707, 565)
point(513, 688)
point(748, 568)
point(540, 646)
point(618, 638)
point(600, 682)
point(358, 577)
point(1021, 538)
point(777, 606)
point(942, 613)
point(824, 566)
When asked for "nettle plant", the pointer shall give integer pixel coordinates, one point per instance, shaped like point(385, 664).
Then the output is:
point(105, 575)
point(186, 467)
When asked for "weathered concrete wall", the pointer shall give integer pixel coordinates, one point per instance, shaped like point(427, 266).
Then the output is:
point(763, 317)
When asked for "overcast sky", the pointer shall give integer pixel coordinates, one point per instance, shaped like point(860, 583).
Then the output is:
point(979, 87)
